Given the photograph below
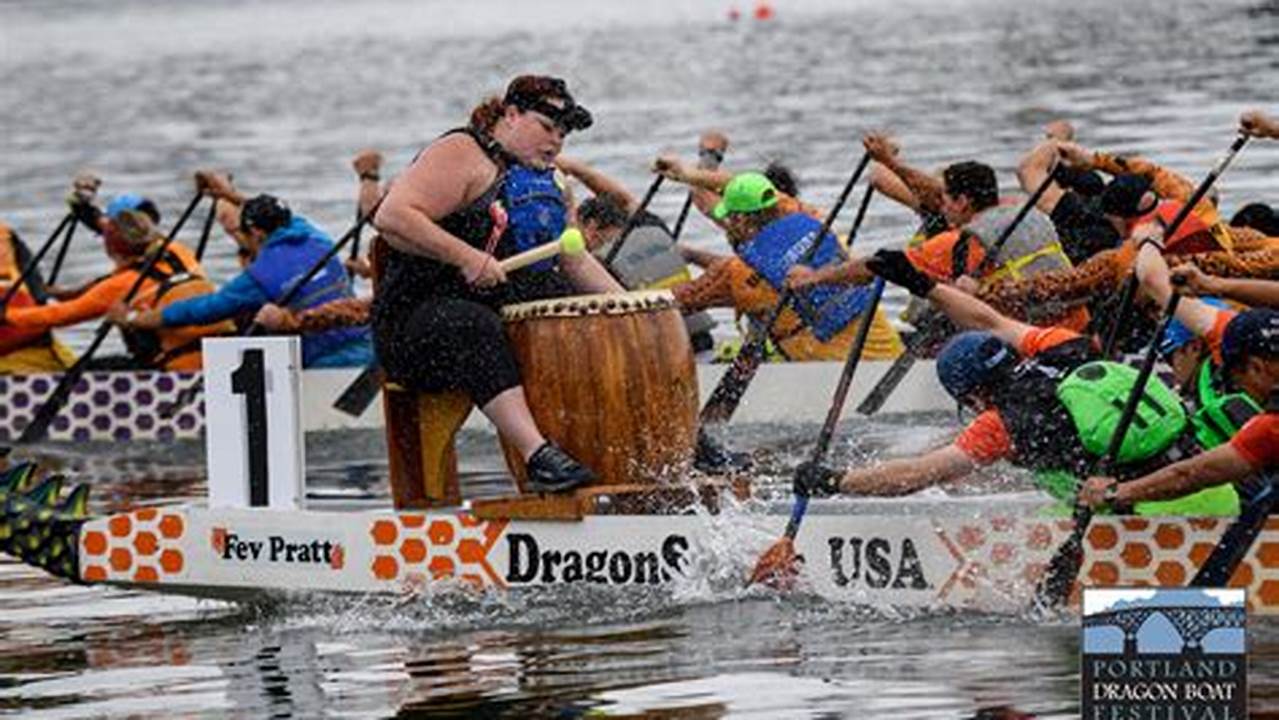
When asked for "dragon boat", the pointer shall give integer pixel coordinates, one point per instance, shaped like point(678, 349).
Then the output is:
point(648, 521)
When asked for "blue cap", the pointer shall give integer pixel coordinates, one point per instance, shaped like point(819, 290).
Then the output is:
point(971, 360)
point(1252, 332)
point(1177, 334)
point(120, 203)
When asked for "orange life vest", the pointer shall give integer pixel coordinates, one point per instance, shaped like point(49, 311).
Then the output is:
point(176, 276)
point(12, 338)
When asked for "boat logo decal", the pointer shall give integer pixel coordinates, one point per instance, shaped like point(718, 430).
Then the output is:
point(143, 546)
point(276, 548)
point(529, 563)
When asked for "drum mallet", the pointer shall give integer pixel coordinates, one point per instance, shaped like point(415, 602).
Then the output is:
point(571, 242)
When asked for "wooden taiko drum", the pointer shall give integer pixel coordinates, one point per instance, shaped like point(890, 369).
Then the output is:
point(610, 379)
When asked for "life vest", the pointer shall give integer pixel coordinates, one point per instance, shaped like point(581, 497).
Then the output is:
point(1060, 409)
point(18, 257)
point(535, 209)
point(1033, 247)
point(648, 261)
point(826, 309)
point(1193, 235)
point(290, 252)
point(1219, 415)
point(173, 278)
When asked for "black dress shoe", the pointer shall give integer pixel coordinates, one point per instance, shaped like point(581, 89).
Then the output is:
point(712, 457)
point(550, 469)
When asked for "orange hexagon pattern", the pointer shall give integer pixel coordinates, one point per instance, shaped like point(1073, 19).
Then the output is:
point(998, 553)
point(142, 546)
point(413, 549)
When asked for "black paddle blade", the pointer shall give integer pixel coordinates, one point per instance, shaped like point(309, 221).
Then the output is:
point(1054, 587)
point(362, 391)
point(723, 402)
point(888, 382)
point(1237, 540)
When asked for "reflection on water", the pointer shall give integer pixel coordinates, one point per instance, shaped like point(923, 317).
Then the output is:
point(148, 91)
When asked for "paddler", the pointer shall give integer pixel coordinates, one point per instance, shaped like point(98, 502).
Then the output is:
point(129, 235)
point(1044, 402)
point(648, 258)
point(25, 350)
point(281, 247)
point(763, 225)
point(1250, 353)
point(967, 195)
point(473, 196)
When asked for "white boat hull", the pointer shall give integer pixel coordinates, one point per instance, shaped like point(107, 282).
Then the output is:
point(961, 554)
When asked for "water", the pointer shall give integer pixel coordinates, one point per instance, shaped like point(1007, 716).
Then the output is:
point(282, 92)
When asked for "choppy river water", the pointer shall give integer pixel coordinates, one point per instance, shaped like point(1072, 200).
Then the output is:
point(282, 92)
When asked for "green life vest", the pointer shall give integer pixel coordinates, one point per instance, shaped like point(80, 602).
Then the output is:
point(1220, 415)
point(1095, 394)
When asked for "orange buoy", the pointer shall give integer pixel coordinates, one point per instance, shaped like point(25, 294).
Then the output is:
point(763, 11)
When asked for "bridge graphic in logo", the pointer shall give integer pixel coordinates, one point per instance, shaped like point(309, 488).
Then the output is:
point(1146, 651)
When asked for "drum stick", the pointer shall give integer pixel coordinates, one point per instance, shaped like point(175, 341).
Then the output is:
point(570, 243)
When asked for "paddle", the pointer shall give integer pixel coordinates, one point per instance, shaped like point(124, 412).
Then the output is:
point(683, 215)
point(778, 562)
point(206, 230)
point(355, 247)
point(39, 425)
point(361, 392)
point(631, 222)
point(727, 395)
point(35, 261)
point(1238, 538)
point(1054, 587)
point(1129, 293)
point(62, 254)
point(188, 395)
point(929, 327)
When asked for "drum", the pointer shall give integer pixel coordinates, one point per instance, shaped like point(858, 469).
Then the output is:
point(609, 378)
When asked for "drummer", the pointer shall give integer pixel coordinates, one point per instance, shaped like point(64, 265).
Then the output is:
point(477, 194)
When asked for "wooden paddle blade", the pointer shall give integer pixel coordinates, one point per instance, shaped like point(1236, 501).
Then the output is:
point(363, 390)
point(778, 567)
point(1059, 578)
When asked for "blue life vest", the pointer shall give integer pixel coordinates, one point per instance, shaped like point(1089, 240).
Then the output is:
point(285, 257)
point(535, 209)
point(826, 309)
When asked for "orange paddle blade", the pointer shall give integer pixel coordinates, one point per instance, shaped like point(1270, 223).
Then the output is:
point(778, 567)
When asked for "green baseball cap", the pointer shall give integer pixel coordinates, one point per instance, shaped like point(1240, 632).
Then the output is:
point(746, 193)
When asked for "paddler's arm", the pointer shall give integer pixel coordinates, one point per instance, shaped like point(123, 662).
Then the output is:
point(909, 475)
point(1249, 291)
point(444, 178)
point(367, 164)
point(1164, 182)
point(700, 258)
point(1154, 278)
point(852, 271)
point(229, 201)
point(597, 182)
point(341, 313)
point(889, 184)
point(1219, 465)
point(963, 309)
point(241, 294)
point(1033, 170)
point(713, 288)
point(1258, 124)
point(926, 188)
point(93, 303)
